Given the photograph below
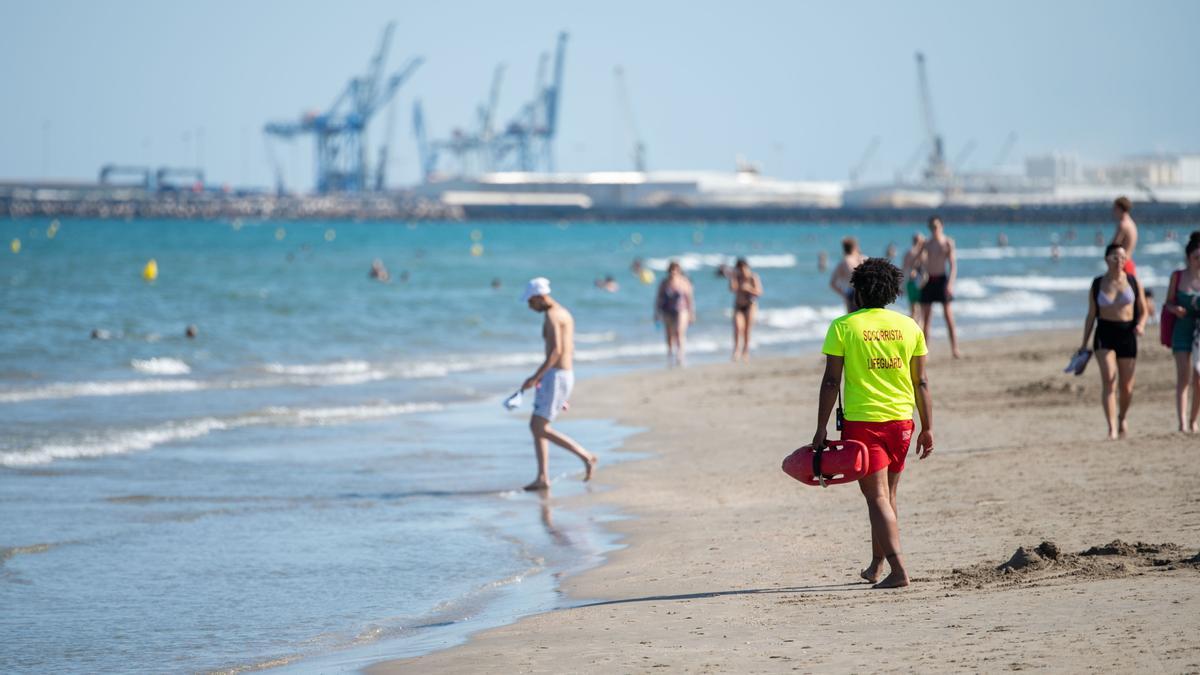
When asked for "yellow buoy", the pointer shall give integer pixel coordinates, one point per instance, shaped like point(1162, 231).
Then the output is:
point(15, 245)
point(150, 271)
point(647, 276)
point(52, 229)
point(280, 233)
point(476, 250)
point(330, 235)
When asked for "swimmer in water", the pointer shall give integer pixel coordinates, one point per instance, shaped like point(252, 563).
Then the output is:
point(379, 272)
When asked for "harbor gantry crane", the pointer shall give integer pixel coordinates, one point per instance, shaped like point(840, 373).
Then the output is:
point(639, 148)
point(526, 143)
point(340, 132)
point(472, 152)
point(859, 167)
point(936, 168)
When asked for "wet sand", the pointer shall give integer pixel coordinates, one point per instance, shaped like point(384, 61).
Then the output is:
point(731, 566)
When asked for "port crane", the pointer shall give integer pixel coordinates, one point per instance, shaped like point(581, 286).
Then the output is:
point(471, 151)
point(639, 147)
point(861, 165)
point(526, 143)
point(936, 168)
point(340, 132)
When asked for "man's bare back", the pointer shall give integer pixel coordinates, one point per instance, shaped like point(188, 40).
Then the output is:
point(558, 330)
point(1126, 235)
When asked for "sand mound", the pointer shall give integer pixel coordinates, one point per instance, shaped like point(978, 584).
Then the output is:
point(1046, 562)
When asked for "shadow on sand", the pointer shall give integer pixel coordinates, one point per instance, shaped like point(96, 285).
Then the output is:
point(825, 588)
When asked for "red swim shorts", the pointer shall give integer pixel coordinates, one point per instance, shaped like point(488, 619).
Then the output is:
point(887, 442)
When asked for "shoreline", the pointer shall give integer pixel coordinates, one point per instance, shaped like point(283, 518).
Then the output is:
point(720, 536)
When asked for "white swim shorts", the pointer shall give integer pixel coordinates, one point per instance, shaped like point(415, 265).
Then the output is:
point(553, 392)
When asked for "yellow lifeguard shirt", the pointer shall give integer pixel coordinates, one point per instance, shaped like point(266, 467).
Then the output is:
point(877, 345)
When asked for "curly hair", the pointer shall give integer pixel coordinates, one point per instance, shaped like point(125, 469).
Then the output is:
point(877, 282)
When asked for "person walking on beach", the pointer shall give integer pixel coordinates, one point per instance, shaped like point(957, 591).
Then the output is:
point(675, 308)
point(747, 289)
point(914, 274)
point(940, 260)
point(1126, 234)
point(882, 355)
point(554, 380)
point(839, 281)
point(1183, 300)
point(1117, 308)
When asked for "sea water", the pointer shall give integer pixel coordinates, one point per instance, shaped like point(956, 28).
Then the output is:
point(325, 473)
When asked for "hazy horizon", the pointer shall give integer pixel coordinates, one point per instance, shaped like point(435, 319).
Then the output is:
point(799, 88)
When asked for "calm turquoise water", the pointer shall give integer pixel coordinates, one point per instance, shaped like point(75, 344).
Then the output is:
point(325, 475)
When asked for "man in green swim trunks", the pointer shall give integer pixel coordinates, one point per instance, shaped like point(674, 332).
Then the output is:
point(914, 274)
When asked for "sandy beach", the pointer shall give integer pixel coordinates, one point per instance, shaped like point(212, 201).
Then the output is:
point(733, 567)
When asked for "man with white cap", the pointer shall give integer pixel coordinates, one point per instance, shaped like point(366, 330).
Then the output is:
point(554, 380)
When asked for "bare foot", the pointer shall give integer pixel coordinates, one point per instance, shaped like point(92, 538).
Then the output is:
point(1123, 428)
point(591, 468)
point(957, 354)
point(897, 579)
point(871, 573)
point(536, 485)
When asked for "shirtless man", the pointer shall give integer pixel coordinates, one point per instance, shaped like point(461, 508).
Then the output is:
point(914, 270)
point(554, 380)
point(1126, 235)
point(941, 263)
point(839, 281)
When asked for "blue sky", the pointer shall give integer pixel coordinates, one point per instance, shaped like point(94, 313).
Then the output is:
point(799, 87)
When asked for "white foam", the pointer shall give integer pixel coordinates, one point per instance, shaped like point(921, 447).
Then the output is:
point(1006, 304)
point(340, 414)
point(1146, 275)
point(694, 261)
point(335, 368)
point(139, 440)
point(595, 338)
point(111, 388)
point(161, 365)
point(113, 443)
point(969, 288)
point(1159, 248)
point(1097, 252)
point(798, 317)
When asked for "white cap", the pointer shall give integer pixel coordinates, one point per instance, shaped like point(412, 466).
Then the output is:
point(536, 286)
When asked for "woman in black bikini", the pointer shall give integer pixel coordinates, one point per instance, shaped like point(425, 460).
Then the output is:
point(1117, 307)
point(746, 288)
